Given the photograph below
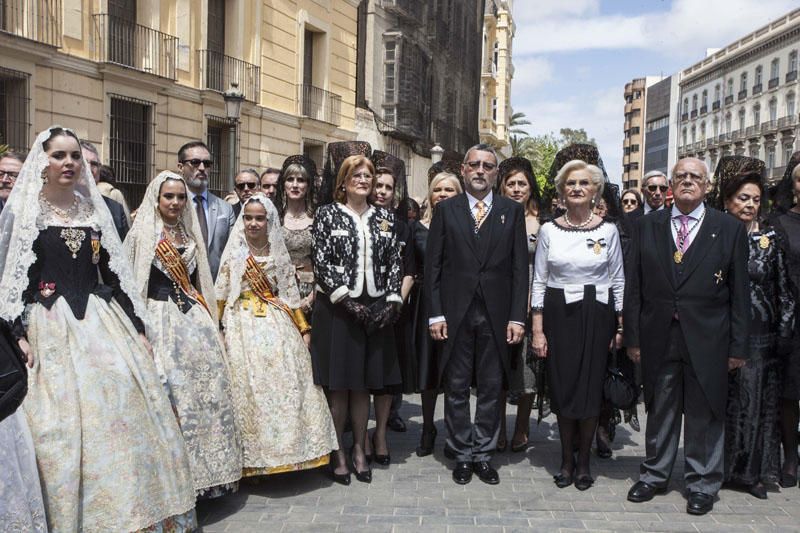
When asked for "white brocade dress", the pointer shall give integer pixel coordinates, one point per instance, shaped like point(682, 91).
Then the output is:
point(21, 506)
point(284, 418)
point(190, 358)
point(108, 448)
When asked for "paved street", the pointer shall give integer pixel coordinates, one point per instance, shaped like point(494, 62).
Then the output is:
point(419, 495)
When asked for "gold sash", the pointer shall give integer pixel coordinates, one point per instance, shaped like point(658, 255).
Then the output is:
point(263, 290)
point(173, 262)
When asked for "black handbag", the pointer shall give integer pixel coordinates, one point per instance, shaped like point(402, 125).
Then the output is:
point(618, 389)
point(13, 372)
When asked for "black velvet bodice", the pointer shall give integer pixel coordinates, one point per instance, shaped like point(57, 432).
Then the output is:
point(73, 279)
point(160, 287)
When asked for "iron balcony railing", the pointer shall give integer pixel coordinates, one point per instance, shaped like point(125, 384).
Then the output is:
point(37, 20)
point(729, 99)
point(791, 76)
point(789, 121)
point(751, 131)
point(736, 135)
point(715, 105)
point(757, 88)
point(135, 46)
point(320, 104)
point(768, 126)
point(742, 94)
point(217, 71)
point(773, 82)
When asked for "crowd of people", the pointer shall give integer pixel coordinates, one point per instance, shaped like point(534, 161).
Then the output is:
point(154, 357)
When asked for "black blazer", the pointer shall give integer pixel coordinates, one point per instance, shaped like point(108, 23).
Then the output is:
point(118, 216)
point(456, 268)
point(711, 299)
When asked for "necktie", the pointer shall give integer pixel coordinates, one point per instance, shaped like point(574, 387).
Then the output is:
point(480, 214)
point(201, 217)
point(683, 233)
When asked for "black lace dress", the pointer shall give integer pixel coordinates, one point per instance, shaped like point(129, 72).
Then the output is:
point(752, 428)
point(787, 225)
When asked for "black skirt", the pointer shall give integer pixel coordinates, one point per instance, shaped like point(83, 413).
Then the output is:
point(425, 349)
point(578, 335)
point(344, 357)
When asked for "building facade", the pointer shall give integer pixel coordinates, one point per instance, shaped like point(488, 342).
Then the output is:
point(497, 71)
point(418, 81)
point(141, 77)
point(742, 99)
point(634, 144)
point(660, 134)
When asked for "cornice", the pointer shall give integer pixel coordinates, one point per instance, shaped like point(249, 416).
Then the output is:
point(26, 47)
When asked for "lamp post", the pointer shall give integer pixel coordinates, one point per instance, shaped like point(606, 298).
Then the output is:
point(233, 108)
point(436, 153)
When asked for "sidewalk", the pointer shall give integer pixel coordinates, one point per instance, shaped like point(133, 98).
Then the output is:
point(416, 494)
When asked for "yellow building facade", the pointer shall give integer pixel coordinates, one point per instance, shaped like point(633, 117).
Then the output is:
point(141, 77)
point(497, 71)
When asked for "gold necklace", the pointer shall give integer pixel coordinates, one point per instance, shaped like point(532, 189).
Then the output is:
point(61, 213)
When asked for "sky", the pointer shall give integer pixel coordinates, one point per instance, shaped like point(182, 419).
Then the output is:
point(572, 58)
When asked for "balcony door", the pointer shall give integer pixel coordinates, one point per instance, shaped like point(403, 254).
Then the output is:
point(122, 32)
point(215, 56)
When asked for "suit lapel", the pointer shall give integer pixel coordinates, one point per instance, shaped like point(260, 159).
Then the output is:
point(212, 218)
point(701, 244)
point(663, 240)
point(466, 223)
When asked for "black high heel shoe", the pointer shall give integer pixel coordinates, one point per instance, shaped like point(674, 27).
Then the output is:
point(426, 443)
point(342, 479)
point(383, 460)
point(363, 477)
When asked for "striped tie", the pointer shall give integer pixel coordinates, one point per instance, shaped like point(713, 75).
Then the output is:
point(480, 215)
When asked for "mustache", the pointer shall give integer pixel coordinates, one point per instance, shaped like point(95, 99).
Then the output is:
point(4, 186)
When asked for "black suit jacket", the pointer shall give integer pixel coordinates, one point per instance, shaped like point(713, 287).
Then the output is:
point(636, 214)
point(118, 216)
point(711, 299)
point(455, 268)
point(237, 208)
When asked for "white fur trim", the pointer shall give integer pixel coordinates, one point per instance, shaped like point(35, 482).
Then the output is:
point(338, 294)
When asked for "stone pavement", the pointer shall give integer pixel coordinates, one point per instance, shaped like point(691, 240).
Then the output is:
point(415, 494)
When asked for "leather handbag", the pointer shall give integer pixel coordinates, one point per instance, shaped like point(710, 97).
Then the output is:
point(13, 373)
point(618, 389)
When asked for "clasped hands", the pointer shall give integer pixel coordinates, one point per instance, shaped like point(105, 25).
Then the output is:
point(375, 316)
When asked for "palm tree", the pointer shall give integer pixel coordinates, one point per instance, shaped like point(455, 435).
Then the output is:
point(518, 119)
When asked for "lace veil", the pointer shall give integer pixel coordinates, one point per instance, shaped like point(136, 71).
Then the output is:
point(232, 264)
point(18, 231)
point(144, 235)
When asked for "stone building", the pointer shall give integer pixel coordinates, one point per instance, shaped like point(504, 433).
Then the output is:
point(742, 99)
point(419, 75)
point(140, 77)
point(497, 71)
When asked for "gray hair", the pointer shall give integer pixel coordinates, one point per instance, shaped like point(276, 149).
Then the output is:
point(481, 147)
point(86, 145)
point(252, 171)
point(705, 166)
point(12, 154)
point(653, 174)
point(576, 164)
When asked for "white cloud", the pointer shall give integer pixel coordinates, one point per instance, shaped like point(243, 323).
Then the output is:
point(529, 10)
point(531, 73)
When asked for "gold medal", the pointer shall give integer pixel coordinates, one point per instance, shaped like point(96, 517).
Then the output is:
point(597, 248)
point(384, 225)
point(677, 257)
point(763, 242)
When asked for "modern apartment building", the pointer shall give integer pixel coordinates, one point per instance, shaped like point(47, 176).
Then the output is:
point(637, 98)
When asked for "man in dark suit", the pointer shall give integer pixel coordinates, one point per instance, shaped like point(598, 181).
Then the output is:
point(120, 219)
point(246, 184)
point(476, 284)
point(654, 190)
point(687, 309)
point(214, 214)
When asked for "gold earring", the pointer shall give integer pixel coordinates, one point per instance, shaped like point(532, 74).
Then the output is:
point(44, 177)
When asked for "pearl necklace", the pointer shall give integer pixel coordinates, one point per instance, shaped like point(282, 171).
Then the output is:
point(176, 232)
point(63, 214)
point(582, 224)
point(258, 252)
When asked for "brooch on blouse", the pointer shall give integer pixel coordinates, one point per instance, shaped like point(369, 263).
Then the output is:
point(596, 246)
point(384, 225)
point(47, 289)
point(73, 238)
point(718, 277)
point(763, 242)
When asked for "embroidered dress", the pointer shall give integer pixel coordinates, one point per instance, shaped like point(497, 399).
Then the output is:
point(21, 506)
point(298, 243)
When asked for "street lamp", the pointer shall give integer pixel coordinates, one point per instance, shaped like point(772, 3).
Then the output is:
point(436, 153)
point(233, 108)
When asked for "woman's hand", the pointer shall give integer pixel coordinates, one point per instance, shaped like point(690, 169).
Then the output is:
point(307, 340)
point(147, 345)
point(616, 342)
point(26, 351)
point(539, 344)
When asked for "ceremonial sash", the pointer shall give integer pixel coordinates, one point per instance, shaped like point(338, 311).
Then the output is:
point(173, 262)
point(261, 287)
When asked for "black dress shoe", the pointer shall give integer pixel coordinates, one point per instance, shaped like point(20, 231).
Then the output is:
point(699, 503)
point(584, 482)
point(787, 481)
point(396, 423)
point(462, 473)
point(426, 443)
point(562, 480)
point(485, 472)
point(644, 492)
point(758, 490)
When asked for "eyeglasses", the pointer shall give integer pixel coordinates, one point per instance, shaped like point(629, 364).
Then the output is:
point(688, 176)
point(196, 162)
point(8, 174)
point(363, 176)
point(246, 185)
point(478, 164)
point(631, 201)
point(654, 188)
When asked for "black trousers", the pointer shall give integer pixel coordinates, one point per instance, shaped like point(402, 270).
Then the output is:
point(679, 399)
point(474, 357)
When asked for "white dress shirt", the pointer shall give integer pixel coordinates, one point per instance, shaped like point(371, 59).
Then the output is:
point(695, 215)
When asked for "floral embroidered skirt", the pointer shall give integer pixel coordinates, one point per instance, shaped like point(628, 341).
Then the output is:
point(21, 506)
point(108, 448)
point(191, 361)
point(284, 418)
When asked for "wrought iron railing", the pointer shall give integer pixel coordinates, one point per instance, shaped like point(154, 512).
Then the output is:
point(769, 125)
point(217, 71)
point(37, 20)
point(742, 94)
point(715, 105)
point(784, 122)
point(132, 45)
point(791, 76)
point(729, 99)
point(751, 131)
point(773, 82)
point(320, 104)
point(757, 88)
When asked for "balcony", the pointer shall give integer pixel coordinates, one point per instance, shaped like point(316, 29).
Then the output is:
point(37, 20)
point(488, 127)
point(715, 105)
point(729, 99)
point(787, 122)
point(724, 138)
point(771, 84)
point(769, 126)
point(757, 88)
point(777, 173)
point(752, 131)
point(742, 95)
point(736, 135)
point(684, 117)
point(135, 46)
point(319, 104)
point(694, 113)
point(791, 76)
point(408, 9)
point(217, 71)
point(703, 109)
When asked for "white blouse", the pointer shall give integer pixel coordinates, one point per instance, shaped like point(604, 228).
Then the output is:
point(569, 259)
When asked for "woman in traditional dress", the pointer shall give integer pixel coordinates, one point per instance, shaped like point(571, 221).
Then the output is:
point(518, 183)
point(171, 273)
point(578, 286)
point(108, 448)
point(284, 418)
point(752, 426)
point(357, 268)
point(425, 350)
point(295, 202)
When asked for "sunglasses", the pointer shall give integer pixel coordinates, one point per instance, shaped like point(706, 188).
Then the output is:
point(654, 188)
point(196, 162)
point(630, 202)
point(246, 185)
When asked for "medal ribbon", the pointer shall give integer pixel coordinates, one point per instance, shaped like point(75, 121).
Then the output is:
point(173, 262)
